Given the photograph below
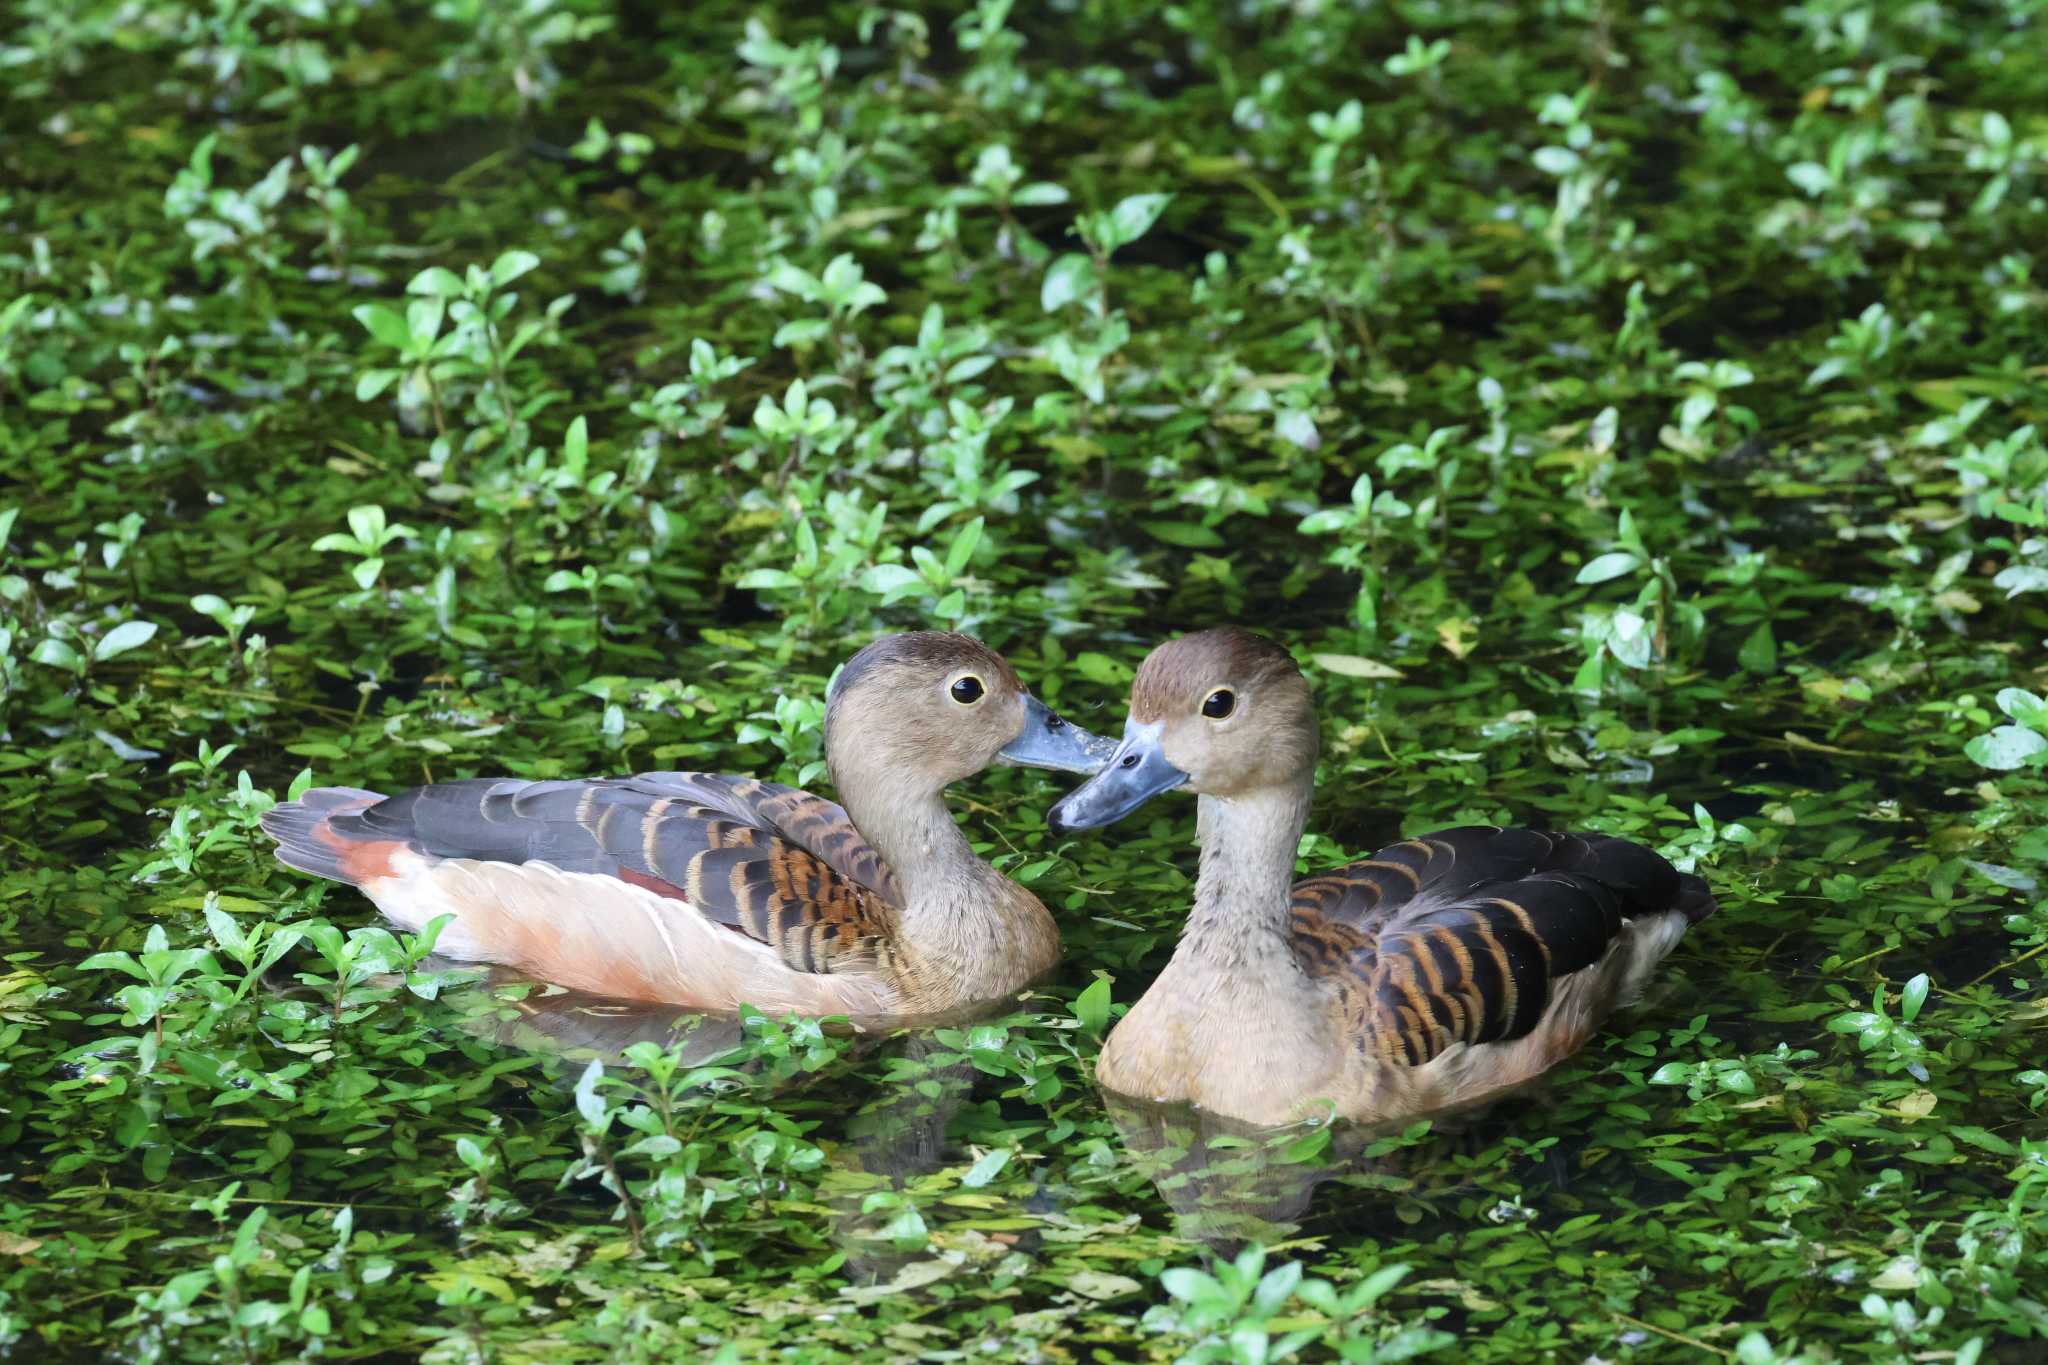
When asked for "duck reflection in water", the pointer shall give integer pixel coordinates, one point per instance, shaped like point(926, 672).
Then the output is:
point(898, 1134)
point(1231, 1184)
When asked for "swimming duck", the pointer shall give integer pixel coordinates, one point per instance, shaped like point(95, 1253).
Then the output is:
point(1438, 973)
point(706, 891)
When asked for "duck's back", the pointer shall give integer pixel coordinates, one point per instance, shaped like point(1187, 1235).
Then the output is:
point(688, 888)
point(1514, 943)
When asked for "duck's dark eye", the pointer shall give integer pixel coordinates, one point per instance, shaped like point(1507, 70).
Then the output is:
point(1219, 703)
point(967, 690)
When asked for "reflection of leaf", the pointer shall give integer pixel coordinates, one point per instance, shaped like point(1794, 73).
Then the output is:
point(916, 1275)
point(1097, 1284)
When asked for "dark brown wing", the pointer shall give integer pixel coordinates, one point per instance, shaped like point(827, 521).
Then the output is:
point(1458, 936)
point(772, 862)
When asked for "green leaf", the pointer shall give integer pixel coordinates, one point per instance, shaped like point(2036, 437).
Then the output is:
point(1759, 653)
point(1069, 279)
point(801, 332)
point(1190, 535)
point(1091, 1006)
point(1100, 668)
point(367, 523)
point(1038, 194)
point(57, 654)
point(576, 448)
point(986, 1167)
point(384, 324)
point(373, 382)
point(2024, 707)
point(436, 281)
point(2006, 748)
point(2021, 578)
point(1188, 1284)
point(892, 580)
point(124, 637)
point(1913, 997)
point(961, 551)
point(1354, 666)
point(510, 266)
point(1133, 217)
point(1613, 564)
point(1632, 640)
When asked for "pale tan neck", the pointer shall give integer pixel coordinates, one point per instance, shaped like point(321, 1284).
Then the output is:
point(965, 932)
point(916, 836)
point(1239, 926)
point(1234, 1024)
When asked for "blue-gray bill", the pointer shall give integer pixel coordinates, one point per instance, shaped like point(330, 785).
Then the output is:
point(1047, 741)
point(1137, 772)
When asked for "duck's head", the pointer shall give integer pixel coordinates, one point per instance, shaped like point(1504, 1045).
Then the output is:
point(932, 707)
point(1221, 713)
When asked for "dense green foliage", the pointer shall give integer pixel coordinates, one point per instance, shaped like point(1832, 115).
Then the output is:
point(1629, 412)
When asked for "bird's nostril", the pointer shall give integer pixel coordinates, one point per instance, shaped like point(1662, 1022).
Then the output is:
point(1054, 724)
point(1130, 761)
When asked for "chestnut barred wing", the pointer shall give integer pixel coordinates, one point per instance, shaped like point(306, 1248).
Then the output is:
point(1459, 936)
point(773, 862)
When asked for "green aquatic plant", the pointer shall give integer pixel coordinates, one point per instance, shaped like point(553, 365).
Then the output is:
point(1629, 416)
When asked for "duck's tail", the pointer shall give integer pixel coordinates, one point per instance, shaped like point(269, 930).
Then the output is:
point(305, 840)
point(1695, 901)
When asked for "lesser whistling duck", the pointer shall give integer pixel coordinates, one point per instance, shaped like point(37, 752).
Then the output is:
point(708, 892)
point(1435, 974)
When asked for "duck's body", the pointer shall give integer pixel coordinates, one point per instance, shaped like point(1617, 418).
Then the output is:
point(708, 892)
point(1435, 975)
point(1396, 999)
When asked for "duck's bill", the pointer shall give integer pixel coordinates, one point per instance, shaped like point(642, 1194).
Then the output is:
point(1137, 772)
point(1050, 742)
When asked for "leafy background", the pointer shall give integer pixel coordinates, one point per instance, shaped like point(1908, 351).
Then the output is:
point(1628, 412)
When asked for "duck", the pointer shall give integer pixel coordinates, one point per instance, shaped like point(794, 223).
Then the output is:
point(707, 892)
point(1432, 977)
